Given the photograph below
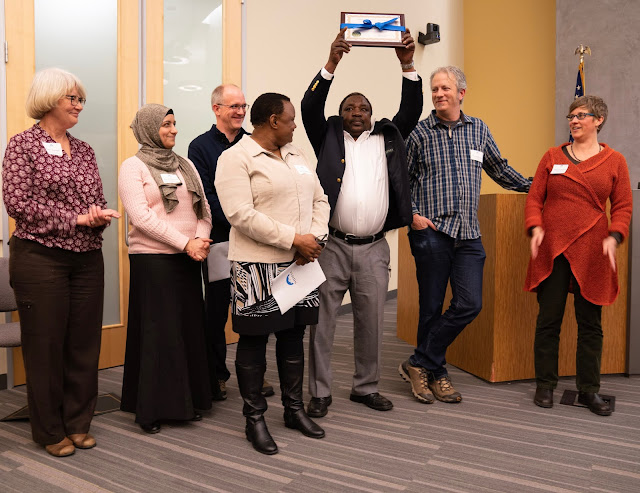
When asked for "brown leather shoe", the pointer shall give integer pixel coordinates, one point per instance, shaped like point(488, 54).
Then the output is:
point(595, 403)
point(83, 440)
point(63, 448)
point(543, 397)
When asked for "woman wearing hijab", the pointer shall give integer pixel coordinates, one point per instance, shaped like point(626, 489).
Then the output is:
point(52, 188)
point(573, 247)
point(165, 372)
point(277, 209)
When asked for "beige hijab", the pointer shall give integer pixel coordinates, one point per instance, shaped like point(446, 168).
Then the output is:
point(146, 127)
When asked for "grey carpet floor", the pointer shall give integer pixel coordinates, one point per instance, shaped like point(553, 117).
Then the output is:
point(495, 440)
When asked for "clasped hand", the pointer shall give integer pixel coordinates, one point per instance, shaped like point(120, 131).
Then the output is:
point(198, 248)
point(307, 248)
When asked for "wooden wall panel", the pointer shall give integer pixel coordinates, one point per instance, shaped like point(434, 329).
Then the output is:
point(498, 345)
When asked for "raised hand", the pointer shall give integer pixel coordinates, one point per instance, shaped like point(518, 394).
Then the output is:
point(405, 54)
point(338, 48)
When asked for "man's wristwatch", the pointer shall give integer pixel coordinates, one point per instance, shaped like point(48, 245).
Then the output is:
point(407, 66)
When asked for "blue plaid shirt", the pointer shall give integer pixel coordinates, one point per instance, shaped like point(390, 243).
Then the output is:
point(445, 171)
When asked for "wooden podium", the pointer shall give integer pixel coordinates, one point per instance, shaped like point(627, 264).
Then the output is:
point(498, 345)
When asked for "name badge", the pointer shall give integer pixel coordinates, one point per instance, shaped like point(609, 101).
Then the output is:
point(476, 155)
point(170, 178)
point(559, 169)
point(302, 169)
point(53, 148)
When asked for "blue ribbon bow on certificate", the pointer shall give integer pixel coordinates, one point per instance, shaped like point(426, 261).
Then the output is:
point(382, 26)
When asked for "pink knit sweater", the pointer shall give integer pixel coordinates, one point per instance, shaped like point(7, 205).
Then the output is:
point(153, 230)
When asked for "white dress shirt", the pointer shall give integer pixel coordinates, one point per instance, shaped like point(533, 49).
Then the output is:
point(363, 202)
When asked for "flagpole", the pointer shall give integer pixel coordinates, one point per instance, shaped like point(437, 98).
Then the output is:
point(579, 87)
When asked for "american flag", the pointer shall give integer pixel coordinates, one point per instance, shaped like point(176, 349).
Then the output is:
point(579, 86)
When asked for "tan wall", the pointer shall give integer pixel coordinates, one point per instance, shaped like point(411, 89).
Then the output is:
point(288, 42)
point(509, 61)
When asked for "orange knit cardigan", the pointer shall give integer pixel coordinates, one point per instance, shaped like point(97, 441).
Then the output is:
point(571, 208)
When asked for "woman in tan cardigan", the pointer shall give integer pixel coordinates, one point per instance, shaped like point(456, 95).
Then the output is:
point(277, 209)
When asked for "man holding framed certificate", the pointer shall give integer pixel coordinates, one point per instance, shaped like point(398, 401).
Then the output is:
point(362, 167)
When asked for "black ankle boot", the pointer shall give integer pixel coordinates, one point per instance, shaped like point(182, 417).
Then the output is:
point(299, 420)
point(259, 436)
point(250, 384)
point(291, 372)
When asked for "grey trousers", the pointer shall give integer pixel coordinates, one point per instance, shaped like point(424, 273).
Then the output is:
point(364, 271)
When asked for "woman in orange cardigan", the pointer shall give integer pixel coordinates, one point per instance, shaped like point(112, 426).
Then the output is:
point(573, 247)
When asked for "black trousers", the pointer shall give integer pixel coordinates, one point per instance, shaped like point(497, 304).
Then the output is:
point(552, 298)
point(218, 295)
point(60, 296)
point(251, 349)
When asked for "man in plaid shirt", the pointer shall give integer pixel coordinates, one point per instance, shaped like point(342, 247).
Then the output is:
point(446, 154)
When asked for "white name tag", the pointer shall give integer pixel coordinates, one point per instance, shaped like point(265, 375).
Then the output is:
point(302, 169)
point(170, 178)
point(53, 148)
point(559, 169)
point(476, 155)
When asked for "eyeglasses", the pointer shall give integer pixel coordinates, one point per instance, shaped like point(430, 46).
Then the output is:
point(75, 100)
point(579, 116)
point(236, 107)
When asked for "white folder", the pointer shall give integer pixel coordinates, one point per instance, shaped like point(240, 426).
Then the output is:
point(296, 282)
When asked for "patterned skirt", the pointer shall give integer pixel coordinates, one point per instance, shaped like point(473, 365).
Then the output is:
point(255, 311)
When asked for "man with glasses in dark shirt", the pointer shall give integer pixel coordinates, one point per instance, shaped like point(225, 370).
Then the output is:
point(446, 154)
point(230, 108)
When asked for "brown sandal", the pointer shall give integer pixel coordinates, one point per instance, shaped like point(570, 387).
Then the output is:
point(63, 448)
point(83, 440)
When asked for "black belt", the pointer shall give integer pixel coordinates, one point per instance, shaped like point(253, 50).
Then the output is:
point(356, 240)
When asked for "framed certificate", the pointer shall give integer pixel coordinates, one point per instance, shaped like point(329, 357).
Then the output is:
point(365, 29)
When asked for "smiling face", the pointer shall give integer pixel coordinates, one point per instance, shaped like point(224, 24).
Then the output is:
point(229, 120)
point(586, 128)
point(356, 115)
point(283, 124)
point(65, 114)
point(446, 97)
point(168, 131)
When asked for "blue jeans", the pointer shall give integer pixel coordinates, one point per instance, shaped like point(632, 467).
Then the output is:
point(441, 259)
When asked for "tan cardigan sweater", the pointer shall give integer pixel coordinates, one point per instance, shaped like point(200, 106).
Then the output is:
point(267, 200)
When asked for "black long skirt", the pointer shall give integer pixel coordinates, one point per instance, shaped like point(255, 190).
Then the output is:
point(165, 369)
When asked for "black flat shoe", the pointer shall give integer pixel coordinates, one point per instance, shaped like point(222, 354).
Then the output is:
point(543, 397)
point(196, 417)
point(595, 403)
point(318, 406)
point(374, 401)
point(151, 428)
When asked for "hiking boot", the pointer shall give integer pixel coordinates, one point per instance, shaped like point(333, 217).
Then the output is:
point(443, 390)
point(418, 378)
